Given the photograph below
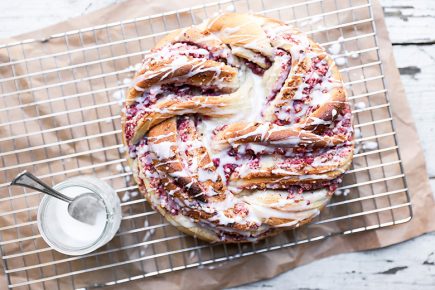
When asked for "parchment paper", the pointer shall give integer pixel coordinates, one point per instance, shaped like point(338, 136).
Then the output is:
point(270, 264)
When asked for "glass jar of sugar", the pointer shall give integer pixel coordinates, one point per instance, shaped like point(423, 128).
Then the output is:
point(70, 236)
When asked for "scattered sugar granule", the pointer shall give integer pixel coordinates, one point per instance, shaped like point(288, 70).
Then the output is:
point(126, 81)
point(122, 149)
point(321, 27)
point(343, 192)
point(192, 255)
point(315, 19)
point(125, 197)
point(147, 236)
point(149, 233)
point(360, 105)
point(127, 168)
point(230, 8)
point(134, 193)
point(142, 253)
point(138, 67)
point(119, 95)
point(357, 133)
point(369, 145)
point(127, 178)
point(356, 149)
point(119, 167)
point(352, 54)
point(335, 48)
point(135, 68)
point(340, 61)
point(216, 265)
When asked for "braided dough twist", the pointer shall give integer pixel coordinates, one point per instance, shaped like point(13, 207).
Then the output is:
point(238, 128)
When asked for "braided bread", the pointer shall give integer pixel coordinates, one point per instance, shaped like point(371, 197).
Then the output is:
point(238, 128)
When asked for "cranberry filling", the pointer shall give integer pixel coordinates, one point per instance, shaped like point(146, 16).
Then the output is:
point(183, 127)
point(166, 201)
point(254, 164)
point(213, 53)
point(318, 66)
point(298, 161)
point(250, 153)
point(301, 188)
point(300, 106)
point(241, 209)
point(229, 169)
point(216, 162)
point(285, 70)
point(232, 152)
point(341, 125)
point(255, 68)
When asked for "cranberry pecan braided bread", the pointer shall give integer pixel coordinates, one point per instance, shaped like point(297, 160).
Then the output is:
point(238, 128)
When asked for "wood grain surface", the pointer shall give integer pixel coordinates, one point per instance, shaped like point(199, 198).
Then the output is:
point(409, 265)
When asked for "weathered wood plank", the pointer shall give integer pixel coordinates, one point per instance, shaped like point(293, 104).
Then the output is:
point(409, 265)
point(399, 267)
point(410, 21)
point(19, 16)
point(417, 68)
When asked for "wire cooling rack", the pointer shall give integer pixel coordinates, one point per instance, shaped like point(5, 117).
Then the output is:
point(59, 117)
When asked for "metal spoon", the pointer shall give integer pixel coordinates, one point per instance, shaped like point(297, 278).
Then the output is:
point(84, 207)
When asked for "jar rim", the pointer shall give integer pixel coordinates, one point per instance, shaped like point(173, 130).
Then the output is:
point(91, 183)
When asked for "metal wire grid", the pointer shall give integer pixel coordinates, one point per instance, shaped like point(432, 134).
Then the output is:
point(60, 112)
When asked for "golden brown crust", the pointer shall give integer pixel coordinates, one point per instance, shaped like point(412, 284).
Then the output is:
point(170, 108)
point(282, 167)
point(272, 134)
point(165, 71)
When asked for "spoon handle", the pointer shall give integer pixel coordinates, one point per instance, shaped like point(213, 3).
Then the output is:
point(29, 180)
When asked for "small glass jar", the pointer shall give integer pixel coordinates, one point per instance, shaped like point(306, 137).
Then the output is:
point(72, 237)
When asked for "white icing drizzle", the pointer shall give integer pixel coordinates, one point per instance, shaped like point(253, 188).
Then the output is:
point(205, 175)
point(251, 94)
point(265, 213)
point(163, 150)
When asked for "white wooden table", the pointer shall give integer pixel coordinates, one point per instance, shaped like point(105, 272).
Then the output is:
point(409, 265)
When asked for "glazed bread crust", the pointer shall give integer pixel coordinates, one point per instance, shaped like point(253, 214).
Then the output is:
point(238, 128)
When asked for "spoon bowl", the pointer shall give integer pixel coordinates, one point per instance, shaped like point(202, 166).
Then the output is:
point(85, 207)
